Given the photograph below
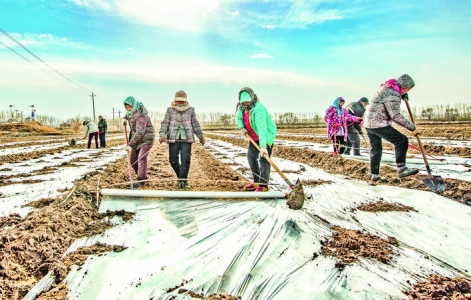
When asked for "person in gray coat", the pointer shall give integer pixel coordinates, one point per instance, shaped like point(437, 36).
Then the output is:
point(385, 108)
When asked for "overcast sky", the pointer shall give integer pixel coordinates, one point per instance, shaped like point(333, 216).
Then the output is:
point(297, 55)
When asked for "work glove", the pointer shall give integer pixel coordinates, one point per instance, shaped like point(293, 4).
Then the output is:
point(415, 132)
point(405, 97)
point(202, 140)
point(162, 139)
point(243, 131)
point(263, 151)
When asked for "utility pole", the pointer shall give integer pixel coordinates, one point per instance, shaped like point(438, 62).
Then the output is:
point(114, 121)
point(119, 121)
point(93, 102)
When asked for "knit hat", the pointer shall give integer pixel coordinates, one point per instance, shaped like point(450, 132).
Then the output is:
point(180, 96)
point(365, 100)
point(405, 81)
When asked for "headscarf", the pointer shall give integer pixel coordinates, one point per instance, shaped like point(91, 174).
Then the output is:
point(180, 107)
point(402, 82)
point(337, 105)
point(251, 104)
point(392, 83)
point(135, 106)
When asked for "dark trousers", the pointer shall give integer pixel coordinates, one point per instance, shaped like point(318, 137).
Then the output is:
point(339, 144)
point(102, 139)
point(138, 159)
point(388, 133)
point(180, 158)
point(90, 137)
point(353, 141)
point(259, 166)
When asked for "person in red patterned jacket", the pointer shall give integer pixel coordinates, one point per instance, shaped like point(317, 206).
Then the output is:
point(141, 137)
point(338, 119)
point(178, 129)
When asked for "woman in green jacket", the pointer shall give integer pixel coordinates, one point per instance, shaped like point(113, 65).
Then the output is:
point(253, 120)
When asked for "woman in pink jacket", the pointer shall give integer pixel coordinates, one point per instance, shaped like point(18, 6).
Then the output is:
point(338, 119)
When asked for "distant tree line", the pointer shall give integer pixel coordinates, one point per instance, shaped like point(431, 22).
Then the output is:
point(456, 112)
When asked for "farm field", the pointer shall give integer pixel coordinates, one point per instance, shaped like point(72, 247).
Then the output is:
point(396, 240)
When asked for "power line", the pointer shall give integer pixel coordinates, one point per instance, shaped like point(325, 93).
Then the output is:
point(13, 50)
point(21, 45)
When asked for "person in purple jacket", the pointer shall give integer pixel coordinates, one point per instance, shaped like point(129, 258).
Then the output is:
point(338, 119)
point(141, 137)
point(178, 129)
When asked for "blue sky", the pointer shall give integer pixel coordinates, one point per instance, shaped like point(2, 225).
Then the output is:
point(297, 55)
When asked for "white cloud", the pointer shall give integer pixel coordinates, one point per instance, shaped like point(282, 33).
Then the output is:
point(215, 15)
point(235, 13)
point(261, 55)
point(158, 73)
point(181, 15)
point(39, 39)
point(294, 14)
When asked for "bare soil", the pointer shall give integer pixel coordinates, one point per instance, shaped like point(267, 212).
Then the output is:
point(32, 247)
point(445, 131)
point(438, 287)
point(381, 206)
point(349, 245)
point(457, 190)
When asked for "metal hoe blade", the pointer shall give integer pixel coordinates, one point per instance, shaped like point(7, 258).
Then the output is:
point(296, 197)
point(435, 183)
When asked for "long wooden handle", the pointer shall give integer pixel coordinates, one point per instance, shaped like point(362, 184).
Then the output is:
point(129, 154)
point(291, 185)
point(427, 167)
point(126, 134)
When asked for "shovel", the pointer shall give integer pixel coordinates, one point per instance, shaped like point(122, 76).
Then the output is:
point(297, 196)
point(129, 154)
point(435, 183)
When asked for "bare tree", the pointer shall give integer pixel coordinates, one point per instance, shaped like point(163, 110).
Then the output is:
point(427, 113)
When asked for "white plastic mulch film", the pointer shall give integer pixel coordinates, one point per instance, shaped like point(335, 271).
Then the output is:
point(264, 250)
point(259, 249)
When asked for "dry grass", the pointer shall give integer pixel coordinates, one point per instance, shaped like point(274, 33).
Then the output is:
point(75, 125)
point(32, 126)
